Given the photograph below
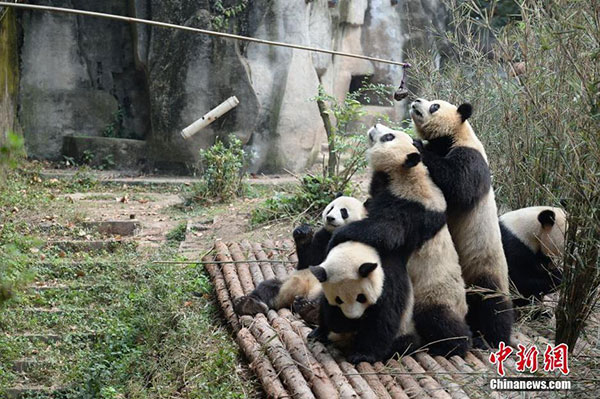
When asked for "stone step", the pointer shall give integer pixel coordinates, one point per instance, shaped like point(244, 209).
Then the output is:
point(88, 246)
point(22, 366)
point(71, 270)
point(115, 227)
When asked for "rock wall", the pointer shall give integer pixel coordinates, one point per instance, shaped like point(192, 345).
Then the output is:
point(77, 72)
point(77, 76)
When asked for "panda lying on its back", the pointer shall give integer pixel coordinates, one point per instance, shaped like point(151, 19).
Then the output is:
point(531, 238)
point(311, 250)
point(368, 296)
point(458, 165)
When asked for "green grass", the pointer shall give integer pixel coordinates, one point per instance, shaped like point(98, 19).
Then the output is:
point(128, 327)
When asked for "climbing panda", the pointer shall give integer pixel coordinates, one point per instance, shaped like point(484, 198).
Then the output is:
point(367, 299)
point(532, 238)
point(311, 250)
point(439, 290)
point(458, 165)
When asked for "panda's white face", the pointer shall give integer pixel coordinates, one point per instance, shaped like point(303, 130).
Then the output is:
point(351, 277)
point(390, 149)
point(341, 211)
point(438, 118)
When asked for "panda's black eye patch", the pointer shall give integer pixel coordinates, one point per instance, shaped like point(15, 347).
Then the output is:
point(387, 137)
point(338, 300)
point(344, 213)
point(329, 211)
point(361, 298)
point(433, 108)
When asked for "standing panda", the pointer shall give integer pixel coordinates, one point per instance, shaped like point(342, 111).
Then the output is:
point(311, 250)
point(407, 216)
point(367, 299)
point(531, 238)
point(458, 165)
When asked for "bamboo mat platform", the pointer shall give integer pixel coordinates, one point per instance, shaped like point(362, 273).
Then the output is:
point(290, 366)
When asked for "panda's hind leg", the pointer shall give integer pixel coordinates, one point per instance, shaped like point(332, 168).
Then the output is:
point(442, 331)
point(490, 315)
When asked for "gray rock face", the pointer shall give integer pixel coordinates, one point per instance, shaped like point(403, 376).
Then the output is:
point(78, 72)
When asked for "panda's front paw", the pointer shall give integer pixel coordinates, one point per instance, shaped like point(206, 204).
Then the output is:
point(307, 309)
point(320, 335)
point(303, 234)
point(356, 358)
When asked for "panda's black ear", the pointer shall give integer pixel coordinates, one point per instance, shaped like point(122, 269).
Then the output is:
point(366, 268)
point(547, 218)
point(339, 194)
point(465, 110)
point(412, 160)
point(319, 272)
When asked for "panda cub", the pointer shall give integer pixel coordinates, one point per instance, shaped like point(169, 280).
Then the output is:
point(532, 237)
point(458, 165)
point(311, 250)
point(367, 296)
point(439, 290)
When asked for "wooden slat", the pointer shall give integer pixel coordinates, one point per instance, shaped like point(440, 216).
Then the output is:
point(229, 270)
point(243, 269)
point(442, 376)
point(310, 368)
point(280, 358)
point(260, 255)
point(273, 254)
point(261, 365)
point(222, 293)
point(255, 271)
point(430, 385)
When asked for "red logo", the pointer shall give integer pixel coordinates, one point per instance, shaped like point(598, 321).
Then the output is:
point(555, 358)
point(499, 357)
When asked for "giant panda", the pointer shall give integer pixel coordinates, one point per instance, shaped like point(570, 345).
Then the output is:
point(439, 290)
point(458, 165)
point(532, 238)
point(406, 215)
point(311, 247)
point(367, 299)
point(311, 250)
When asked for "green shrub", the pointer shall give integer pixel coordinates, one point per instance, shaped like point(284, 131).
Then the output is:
point(305, 203)
point(537, 110)
point(11, 150)
point(177, 235)
point(222, 168)
point(347, 144)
